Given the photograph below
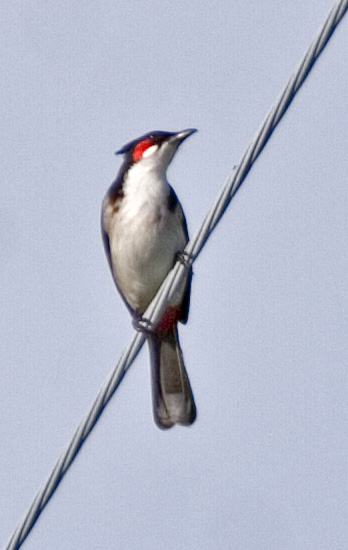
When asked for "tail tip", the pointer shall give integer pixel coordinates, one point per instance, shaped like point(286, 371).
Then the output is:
point(166, 418)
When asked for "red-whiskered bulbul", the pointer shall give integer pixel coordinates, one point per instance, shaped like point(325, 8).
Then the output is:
point(144, 229)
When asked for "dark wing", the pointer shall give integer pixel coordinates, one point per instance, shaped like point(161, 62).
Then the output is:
point(174, 204)
point(106, 241)
point(112, 201)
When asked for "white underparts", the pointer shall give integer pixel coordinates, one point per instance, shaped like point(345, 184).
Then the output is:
point(144, 235)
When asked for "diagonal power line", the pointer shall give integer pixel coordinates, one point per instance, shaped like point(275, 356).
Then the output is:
point(174, 278)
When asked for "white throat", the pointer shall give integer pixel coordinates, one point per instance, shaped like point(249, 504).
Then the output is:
point(145, 185)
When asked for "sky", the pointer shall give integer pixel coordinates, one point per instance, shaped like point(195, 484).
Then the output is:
point(265, 465)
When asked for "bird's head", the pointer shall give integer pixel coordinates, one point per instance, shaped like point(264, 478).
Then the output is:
point(155, 149)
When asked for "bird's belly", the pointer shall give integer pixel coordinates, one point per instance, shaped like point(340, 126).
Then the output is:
point(142, 255)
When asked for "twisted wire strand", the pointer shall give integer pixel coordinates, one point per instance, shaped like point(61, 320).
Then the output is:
point(179, 272)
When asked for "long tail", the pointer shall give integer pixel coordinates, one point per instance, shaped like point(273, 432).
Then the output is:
point(173, 401)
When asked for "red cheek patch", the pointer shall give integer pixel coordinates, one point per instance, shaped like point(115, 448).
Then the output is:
point(140, 147)
point(168, 320)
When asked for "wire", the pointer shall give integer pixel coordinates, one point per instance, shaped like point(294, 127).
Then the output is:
point(179, 272)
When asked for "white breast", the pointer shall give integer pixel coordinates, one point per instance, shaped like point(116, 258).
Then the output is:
point(144, 236)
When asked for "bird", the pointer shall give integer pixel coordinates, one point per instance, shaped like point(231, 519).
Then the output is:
point(144, 231)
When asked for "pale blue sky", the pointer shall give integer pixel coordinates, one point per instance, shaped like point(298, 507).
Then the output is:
point(265, 465)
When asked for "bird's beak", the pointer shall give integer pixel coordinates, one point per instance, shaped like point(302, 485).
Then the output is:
point(181, 136)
